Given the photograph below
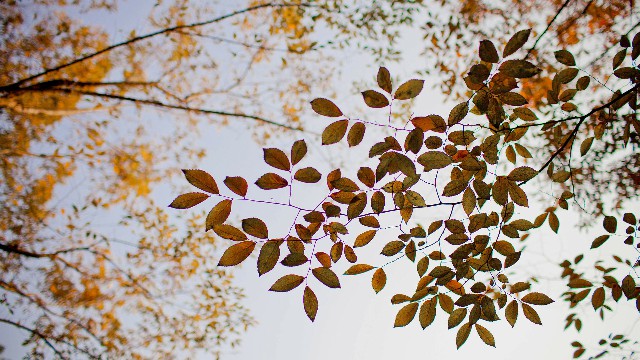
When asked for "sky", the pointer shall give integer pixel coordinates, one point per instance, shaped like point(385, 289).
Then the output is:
point(353, 322)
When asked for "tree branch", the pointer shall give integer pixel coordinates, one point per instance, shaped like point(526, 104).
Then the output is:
point(547, 29)
point(146, 36)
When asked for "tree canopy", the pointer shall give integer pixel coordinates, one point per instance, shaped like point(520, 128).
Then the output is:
point(527, 119)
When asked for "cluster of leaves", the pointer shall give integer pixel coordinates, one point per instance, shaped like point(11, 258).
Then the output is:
point(466, 274)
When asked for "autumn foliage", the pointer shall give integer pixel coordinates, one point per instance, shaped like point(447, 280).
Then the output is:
point(474, 166)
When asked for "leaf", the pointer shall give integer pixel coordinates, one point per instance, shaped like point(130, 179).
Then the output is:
point(599, 241)
point(276, 158)
point(485, 335)
point(377, 202)
point(356, 206)
point(287, 283)
point(366, 176)
point(458, 113)
point(255, 227)
point(268, 257)
point(345, 184)
point(610, 224)
point(597, 299)
point(327, 277)
point(364, 238)
point(468, 201)
point(409, 89)
point(202, 180)
point(628, 286)
point(310, 303)
point(463, 334)
point(516, 42)
point(334, 132)
point(523, 173)
point(565, 57)
point(586, 145)
point(537, 298)
point(237, 184)
point(271, 181)
point(379, 280)
point(236, 254)
point(356, 134)
point(434, 160)
point(427, 312)
point(519, 69)
point(487, 52)
point(454, 187)
point(358, 269)
point(525, 114)
point(392, 248)
point(455, 287)
point(325, 107)
point(531, 314)
point(298, 151)
point(422, 266)
point(229, 232)
point(456, 317)
point(308, 175)
point(406, 314)
point(188, 200)
point(374, 99)
point(218, 214)
point(384, 79)
point(414, 198)
point(431, 122)
point(511, 312)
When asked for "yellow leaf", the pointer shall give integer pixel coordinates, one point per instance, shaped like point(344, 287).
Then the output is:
point(202, 180)
point(235, 254)
point(188, 200)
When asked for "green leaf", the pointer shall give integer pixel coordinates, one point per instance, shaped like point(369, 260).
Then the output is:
point(236, 254)
point(409, 89)
point(325, 107)
point(188, 200)
point(434, 160)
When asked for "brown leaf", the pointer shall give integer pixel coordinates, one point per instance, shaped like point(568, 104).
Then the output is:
point(458, 113)
point(374, 99)
point(531, 314)
point(287, 283)
point(523, 173)
point(454, 187)
point(268, 257)
point(463, 334)
point(427, 312)
point(384, 79)
point(237, 184)
point(364, 238)
point(511, 312)
point(308, 175)
point(298, 151)
point(377, 202)
point(366, 176)
point(188, 200)
point(276, 158)
point(358, 269)
point(310, 303)
point(325, 107)
point(487, 52)
point(202, 180)
point(434, 160)
point(565, 57)
point(485, 335)
point(271, 181)
point(218, 214)
point(409, 89)
point(334, 132)
point(356, 134)
point(406, 314)
point(537, 298)
point(597, 299)
point(519, 69)
point(431, 122)
point(229, 232)
point(236, 254)
point(379, 280)
point(610, 224)
point(326, 276)
point(516, 42)
point(255, 227)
